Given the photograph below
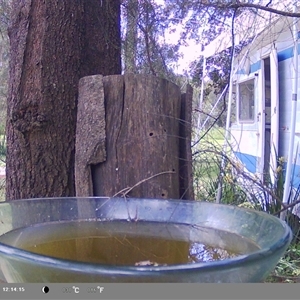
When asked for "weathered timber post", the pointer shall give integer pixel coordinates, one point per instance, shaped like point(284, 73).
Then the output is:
point(90, 132)
point(185, 149)
point(147, 133)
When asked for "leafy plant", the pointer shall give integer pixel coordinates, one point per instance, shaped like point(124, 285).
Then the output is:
point(249, 191)
point(288, 267)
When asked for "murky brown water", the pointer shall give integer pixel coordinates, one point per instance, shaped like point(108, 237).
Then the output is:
point(128, 243)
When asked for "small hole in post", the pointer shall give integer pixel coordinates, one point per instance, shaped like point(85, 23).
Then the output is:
point(162, 194)
point(173, 170)
point(151, 134)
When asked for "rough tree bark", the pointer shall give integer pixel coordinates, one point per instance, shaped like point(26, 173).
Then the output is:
point(90, 132)
point(143, 142)
point(53, 44)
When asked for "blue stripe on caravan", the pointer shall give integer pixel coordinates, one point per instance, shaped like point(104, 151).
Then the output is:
point(287, 53)
point(249, 161)
point(255, 67)
point(241, 72)
point(296, 178)
point(282, 55)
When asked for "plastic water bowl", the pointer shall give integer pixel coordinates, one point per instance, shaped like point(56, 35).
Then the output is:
point(136, 240)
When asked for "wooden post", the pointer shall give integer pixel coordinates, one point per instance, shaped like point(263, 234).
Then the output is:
point(185, 150)
point(90, 132)
point(144, 143)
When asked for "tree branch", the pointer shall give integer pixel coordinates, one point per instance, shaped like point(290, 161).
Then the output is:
point(265, 8)
point(238, 4)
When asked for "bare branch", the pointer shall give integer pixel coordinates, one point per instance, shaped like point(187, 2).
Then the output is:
point(238, 4)
point(265, 8)
point(127, 190)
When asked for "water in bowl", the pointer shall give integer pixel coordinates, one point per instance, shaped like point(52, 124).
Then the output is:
point(125, 243)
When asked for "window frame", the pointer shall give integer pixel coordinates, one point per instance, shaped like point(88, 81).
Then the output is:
point(238, 83)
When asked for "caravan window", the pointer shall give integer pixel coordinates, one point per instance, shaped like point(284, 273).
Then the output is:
point(246, 100)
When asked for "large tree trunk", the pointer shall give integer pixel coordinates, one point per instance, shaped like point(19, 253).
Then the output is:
point(130, 45)
point(53, 44)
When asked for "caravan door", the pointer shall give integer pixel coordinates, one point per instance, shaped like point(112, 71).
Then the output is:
point(261, 121)
point(274, 113)
point(268, 121)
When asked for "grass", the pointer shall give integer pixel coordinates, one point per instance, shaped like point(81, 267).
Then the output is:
point(2, 189)
point(206, 163)
point(288, 267)
point(207, 166)
point(2, 150)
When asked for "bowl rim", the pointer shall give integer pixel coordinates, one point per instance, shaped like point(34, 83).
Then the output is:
point(96, 268)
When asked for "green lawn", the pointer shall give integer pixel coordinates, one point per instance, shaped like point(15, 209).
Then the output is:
point(207, 163)
point(2, 190)
point(2, 150)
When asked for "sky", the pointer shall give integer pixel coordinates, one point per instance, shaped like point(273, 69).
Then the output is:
point(190, 51)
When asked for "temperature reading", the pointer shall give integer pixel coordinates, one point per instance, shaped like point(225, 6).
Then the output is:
point(98, 289)
point(76, 289)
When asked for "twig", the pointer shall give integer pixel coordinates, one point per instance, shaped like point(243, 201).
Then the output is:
point(247, 4)
point(287, 206)
point(127, 190)
point(282, 277)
